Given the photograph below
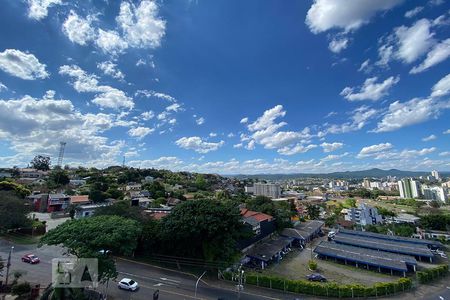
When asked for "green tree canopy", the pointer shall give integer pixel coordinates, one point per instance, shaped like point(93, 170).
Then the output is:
point(41, 162)
point(86, 237)
point(13, 212)
point(121, 209)
point(18, 189)
point(202, 228)
point(57, 178)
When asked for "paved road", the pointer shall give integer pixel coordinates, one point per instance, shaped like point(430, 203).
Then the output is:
point(171, 285)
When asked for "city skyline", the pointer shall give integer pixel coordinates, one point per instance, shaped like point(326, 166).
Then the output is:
point(227, 87)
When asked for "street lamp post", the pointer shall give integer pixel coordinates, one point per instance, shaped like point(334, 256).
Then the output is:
point(8, 265)
point(196, 284)
point(240, 279)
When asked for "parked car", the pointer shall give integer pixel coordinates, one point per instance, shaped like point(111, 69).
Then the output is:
point(316, 277)
point(128, 284)
point(31, 259)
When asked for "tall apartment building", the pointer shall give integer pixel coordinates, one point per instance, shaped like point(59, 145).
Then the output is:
point(366, 183)
point(363, 215)
point(270, 190)
point(435, 193)
point(409, 188)
point(435, 174)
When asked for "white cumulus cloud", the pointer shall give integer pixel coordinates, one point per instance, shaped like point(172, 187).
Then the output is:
point(339, 14)
point(38, 9)
point(140, 132)
point(371, 89)
point(330, 147)
point(22, 65)
point(78, 29)
point(198, 145)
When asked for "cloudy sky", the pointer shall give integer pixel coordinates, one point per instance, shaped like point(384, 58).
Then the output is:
point(227, 86)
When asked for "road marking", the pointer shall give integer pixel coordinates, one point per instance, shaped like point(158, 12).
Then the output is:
point(148, 278)
point(174, 293)
point(161, 268)
point(442, 298)
point(158, 284)
point(167, 279)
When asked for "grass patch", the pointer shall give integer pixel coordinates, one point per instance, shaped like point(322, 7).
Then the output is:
point(21, 239)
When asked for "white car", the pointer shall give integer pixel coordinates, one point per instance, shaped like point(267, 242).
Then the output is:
point(128, 284)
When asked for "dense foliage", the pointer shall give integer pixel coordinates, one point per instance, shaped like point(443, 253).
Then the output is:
point(18, 189)
point(436, 222)
point(13, 212)
point(41, 162)
point(203, 229)
point(282, 211)
point(86, 237)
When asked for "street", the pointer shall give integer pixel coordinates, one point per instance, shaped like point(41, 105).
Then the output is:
point(171, 285)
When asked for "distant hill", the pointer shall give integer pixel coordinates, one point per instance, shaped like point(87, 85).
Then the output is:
point(347, 174)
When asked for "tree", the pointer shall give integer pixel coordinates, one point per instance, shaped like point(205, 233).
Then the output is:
point(313, 211)
point(121, 209)
point(18, 189)
point(385, 212)
point(435, 204)
point(41, 162)
point(13, 212)
point(86, 237)
point(350, 202)
point(57, 178)
point(203, 229)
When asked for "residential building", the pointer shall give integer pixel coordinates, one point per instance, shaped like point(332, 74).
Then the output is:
point(261, 224)
point(435, 174)
point(435, 193)
point(363, 215)
point(80, 200)
point(366, 183)
point(271, 190)
point(77, 182)
point(88, 210)
point(406, 218)
point(133, 187)
point(31, 173)
point(304, 232)
point(409, 188)
point(57, 202)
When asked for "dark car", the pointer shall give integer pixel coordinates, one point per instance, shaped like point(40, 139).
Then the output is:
point(31, 259)
point(316, 277)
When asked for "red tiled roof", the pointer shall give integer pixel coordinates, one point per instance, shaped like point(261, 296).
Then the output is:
point(259, 216)
point(158, 215)
point(79, 199)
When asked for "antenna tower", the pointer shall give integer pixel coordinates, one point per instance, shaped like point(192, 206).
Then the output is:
point(62, 146)
point(123, 162)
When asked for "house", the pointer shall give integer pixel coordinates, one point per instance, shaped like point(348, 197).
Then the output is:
point(57, 202)
point(303, 233)
point(77, 182)
point(87, 210)
point(147, 179)
point(173, 201)
point(5, 175)
point(405, 218)
point(31, 173)
point(80, 200)
point(133, 187)
point(143, 202)
point(38, 202)
point(259, 223)
point(158, 213)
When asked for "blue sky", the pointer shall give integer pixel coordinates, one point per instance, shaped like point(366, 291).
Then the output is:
point(227, 86)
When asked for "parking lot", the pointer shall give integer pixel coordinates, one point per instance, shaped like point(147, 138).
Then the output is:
point(295, 266)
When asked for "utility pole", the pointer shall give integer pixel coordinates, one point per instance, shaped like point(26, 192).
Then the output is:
point(8, 265)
